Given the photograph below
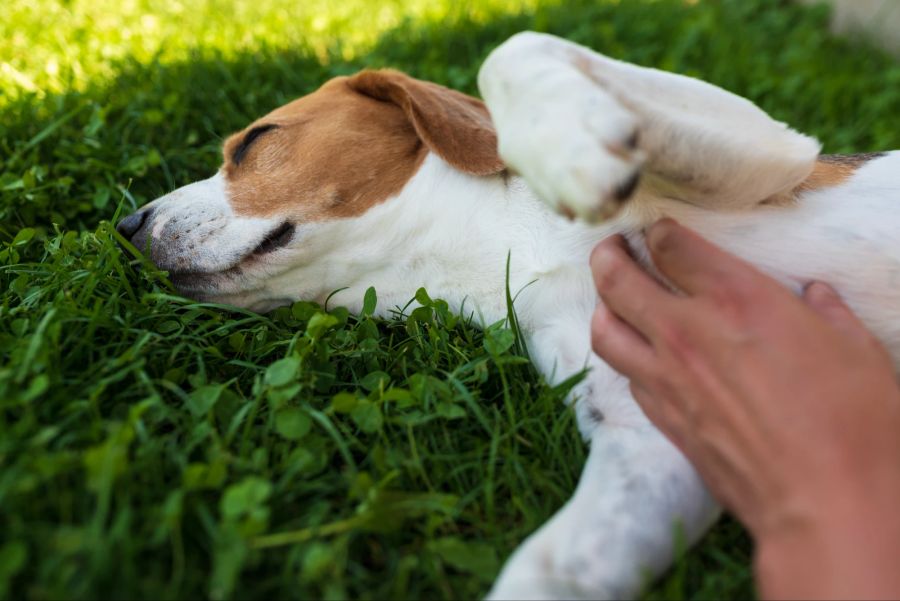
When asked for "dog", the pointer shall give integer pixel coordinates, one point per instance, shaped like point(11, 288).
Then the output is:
point(379, 179)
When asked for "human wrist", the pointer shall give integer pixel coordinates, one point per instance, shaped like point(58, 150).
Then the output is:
point(845, 547)
point(787, 563)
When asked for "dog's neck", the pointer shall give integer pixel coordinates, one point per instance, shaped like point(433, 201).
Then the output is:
point(451, 233)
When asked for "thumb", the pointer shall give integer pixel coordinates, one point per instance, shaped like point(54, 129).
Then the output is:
point(823, 299)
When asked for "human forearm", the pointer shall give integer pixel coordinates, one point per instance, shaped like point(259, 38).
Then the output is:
point(846, 552)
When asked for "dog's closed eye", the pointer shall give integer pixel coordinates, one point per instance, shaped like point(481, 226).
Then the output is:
point(243, 148)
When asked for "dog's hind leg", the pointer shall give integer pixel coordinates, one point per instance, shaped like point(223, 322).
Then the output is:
point(637, 500)
point(580, 127)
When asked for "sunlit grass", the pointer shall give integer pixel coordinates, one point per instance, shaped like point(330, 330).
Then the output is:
point(48, 47)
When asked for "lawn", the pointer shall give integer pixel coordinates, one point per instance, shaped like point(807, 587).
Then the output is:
point(153, 447)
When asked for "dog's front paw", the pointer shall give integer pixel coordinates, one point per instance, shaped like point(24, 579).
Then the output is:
point(574, 144)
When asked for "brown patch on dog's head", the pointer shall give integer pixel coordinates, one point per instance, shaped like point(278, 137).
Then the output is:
point(353, 143)
point(454, 126)
point(834, 169)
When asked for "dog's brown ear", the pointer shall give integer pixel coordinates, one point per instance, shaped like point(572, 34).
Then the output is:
point(454, 126)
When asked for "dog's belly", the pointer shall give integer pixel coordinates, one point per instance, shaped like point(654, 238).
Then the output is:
point(847, 236)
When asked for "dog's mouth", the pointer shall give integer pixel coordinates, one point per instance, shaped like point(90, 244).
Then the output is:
point(197, 284)
point(279, 237)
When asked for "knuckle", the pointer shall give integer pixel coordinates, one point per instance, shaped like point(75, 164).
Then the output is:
point(729, 304)
point(656, 383)
point(641, 310)
point(674, 338)
point(668, 388)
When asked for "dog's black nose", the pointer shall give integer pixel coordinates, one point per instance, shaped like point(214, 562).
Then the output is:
point(129, 226)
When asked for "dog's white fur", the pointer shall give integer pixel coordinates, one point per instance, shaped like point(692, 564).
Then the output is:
point(566, 118)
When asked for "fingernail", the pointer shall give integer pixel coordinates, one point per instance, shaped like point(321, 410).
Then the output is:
point(819, 291)
point(600, 252)
point(599, 258)
point(658, 232)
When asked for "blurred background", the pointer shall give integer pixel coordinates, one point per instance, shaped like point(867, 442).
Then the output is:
point(876, 20)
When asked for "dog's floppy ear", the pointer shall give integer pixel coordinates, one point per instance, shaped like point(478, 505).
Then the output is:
point(454, 126)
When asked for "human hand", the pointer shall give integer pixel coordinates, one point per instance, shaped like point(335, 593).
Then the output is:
point(789, 408)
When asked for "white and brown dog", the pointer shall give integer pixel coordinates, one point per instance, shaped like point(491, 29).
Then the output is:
point(382, 180)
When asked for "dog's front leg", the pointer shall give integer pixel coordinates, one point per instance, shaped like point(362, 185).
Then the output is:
point(621, 527)
point(579, 126)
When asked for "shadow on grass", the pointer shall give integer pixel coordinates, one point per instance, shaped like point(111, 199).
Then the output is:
point(70, 159)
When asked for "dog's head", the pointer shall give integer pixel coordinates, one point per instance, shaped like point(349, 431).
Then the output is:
point(326, 158)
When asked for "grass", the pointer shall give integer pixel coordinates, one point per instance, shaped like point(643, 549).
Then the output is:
point(153, 447)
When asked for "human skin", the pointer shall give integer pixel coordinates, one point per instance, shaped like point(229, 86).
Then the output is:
point(787, 406)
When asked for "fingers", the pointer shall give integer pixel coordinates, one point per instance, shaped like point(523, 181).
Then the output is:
point(823, 299)
point(696, 266)
point(626, 289)
point(670, 420)
point(619, 344)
